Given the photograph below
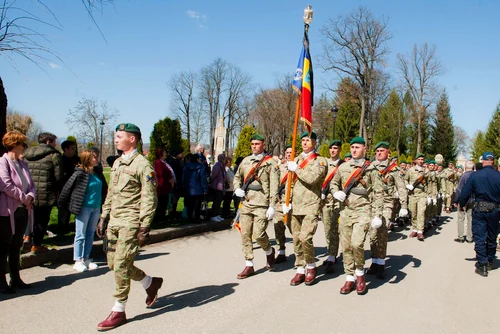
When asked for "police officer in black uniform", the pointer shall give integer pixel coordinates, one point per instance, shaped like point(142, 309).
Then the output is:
point(484, 186)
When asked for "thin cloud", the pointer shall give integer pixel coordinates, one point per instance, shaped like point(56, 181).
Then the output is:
point(55, 66)
point(200, 18)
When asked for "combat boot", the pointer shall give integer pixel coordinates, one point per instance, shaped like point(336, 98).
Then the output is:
point(373, 270)
point(297, 279)
point(114, 319)
point(329, 267)
point(310, 276)
point(270, 260)
point(482, 270)
point(347, 288)
point(280, 258)
point(381, 272)
point(360, 285)
point(247, 272)
point(152, 291)
point(490, 266)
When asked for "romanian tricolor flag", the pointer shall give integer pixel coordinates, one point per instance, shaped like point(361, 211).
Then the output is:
point(303, 83)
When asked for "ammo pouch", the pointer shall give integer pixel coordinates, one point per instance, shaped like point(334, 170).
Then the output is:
point(485, 206)
point(256, 187)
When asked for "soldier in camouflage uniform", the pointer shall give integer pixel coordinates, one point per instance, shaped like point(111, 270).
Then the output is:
point(257, 203)
point(355, 217)
point(386, 181)
point(130, 206)
point(279, 222)
point(447, 182)
point(432, 193)
point(440, 196)
point(309, 171)
point(418, 197)
point(330, 212)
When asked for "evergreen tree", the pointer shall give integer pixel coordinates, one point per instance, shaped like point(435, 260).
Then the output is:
point(166, 133)
point(492, 135)
point(478, 146)
point(243, 147)
point(402, 157)
point(346, 148)
point(442, 133)
point(324, 150)
point(387, 127)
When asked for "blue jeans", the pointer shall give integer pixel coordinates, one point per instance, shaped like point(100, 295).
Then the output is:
point(484, 234)
point(85, 225)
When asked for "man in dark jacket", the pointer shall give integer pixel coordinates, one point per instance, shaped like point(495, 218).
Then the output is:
point(44, 163)
point(69, 160)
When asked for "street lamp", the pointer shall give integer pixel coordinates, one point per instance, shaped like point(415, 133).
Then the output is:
point(334, 112)
point(100, 146)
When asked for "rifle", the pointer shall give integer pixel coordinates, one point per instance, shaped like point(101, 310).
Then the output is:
point(418, 181)
point(252, 176)
point(387, 169)
point(355, 177)
point(325, 189)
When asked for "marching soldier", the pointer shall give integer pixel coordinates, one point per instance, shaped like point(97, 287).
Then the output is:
point(309, 171)
point(130, 207)
point(448, 178)
point(386, 181)
point(330, 211)
point(432, 192)
point(440, 184)
point(355, 216)
point(257, 202)
point(279, 221)
point(416, 179)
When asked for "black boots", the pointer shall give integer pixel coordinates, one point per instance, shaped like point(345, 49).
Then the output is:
point(482, 270)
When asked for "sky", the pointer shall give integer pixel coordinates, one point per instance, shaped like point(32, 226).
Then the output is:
point(146, 42)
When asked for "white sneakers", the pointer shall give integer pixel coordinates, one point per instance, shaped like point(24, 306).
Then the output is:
point(90, 265)
point(82, 266)
point(216, 219)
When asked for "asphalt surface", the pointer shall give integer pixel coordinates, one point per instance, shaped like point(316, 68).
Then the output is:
point(430, 287)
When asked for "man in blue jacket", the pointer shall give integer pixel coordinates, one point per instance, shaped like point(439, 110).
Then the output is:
point(484, 185)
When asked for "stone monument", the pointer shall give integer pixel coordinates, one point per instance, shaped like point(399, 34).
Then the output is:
point(219, 139)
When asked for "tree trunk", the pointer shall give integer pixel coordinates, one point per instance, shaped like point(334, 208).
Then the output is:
point(362, 118)
point(419, 129)
point(3, 115)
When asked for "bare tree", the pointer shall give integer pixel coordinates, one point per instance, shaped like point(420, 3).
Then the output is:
point(462, 140)
point(18, 36)
point(356, 46)
point(182, 87)
point(87, 116)
point(199, 119)
point(419, 70)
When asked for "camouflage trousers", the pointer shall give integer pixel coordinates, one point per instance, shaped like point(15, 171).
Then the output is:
point(431, 210)
point(447, 200)
point(418, 206)
point(354, 226)
point(378, 236)
point(439, 206)
point(303, 229)
point(122, 248)
point(330, 218)
point(280, 228)
point(254, 223)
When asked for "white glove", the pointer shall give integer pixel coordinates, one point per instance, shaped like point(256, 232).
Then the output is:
point(403, 213)
point(396, 195)
point(270, 213)
point(239, 192)
point(440, 195)
point(429, 200)
point(434, 201)
point(287, 209)
point(291, 166)
point(323, 196)
point(409, 187)
point(339, 196)
point(376, 222)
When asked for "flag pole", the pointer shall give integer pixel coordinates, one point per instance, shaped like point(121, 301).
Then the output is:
point(286, 218)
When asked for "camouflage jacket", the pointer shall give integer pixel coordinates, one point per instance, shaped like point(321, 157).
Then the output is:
point(263, 190)
point(384, 188)
point(306, 192)
point(131, 199)
point(359, 195)
point(412, 175)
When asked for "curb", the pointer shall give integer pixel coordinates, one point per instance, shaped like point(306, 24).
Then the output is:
point(64, 254)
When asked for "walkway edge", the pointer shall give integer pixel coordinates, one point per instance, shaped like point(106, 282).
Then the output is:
point(64, 254)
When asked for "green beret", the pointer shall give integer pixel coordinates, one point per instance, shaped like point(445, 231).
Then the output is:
point(257, 137)
point(336, 142)
point(420, 155)
point(460, 167)
point(382, 144)
point(432, 162)
point(288, 146)
point(403, 162)
point(348, 155)
point(440, 164)
point(128, 127)
point(306, 134)
point(357, 140)
point(426, 161)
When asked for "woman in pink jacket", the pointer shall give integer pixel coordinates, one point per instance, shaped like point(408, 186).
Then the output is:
point(17, 192)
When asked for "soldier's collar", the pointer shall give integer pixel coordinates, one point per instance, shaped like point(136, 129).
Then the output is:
point(357, 162)
point(336, 161)
point(128, 158)
point(305, 155)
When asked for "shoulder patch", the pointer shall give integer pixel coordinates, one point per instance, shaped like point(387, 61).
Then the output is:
point(151, 177)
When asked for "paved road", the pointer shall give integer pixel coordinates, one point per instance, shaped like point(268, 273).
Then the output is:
point(430, 288)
